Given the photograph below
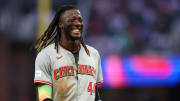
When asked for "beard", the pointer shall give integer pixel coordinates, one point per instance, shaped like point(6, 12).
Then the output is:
point(70, 33)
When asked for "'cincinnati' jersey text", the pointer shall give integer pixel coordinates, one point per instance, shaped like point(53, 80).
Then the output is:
point(69, 71)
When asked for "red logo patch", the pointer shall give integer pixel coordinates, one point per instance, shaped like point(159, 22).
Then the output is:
point(59, 57)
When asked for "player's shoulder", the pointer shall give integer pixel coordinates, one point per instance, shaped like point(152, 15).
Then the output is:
point(93, 50)
point(47, 50)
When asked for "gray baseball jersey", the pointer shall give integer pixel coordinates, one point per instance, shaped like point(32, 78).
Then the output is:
point(70, 81)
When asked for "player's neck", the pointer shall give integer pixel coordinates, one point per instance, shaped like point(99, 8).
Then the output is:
point(69, 44)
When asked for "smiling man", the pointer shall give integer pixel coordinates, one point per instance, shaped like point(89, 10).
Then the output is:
point(66, 69)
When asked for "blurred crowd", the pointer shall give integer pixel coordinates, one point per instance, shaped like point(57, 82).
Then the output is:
point(118, 27)
point(135, 26)
point(18, 25)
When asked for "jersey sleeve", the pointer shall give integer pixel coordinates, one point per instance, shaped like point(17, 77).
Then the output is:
point(43, 69)
point(99, 71)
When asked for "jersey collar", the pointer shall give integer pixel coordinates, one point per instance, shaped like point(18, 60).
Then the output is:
point(73, 50)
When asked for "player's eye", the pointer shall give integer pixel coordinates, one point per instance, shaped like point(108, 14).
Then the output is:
point(71, 20)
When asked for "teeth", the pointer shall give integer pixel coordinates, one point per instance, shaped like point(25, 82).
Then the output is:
point(75, 30)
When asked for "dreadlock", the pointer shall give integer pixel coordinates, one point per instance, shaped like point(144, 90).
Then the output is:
point(53, 32)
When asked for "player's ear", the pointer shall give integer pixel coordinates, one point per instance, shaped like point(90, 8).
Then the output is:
point(60, 24)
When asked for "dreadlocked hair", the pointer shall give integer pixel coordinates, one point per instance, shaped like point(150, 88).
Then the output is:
point(84, 45)
point(53, 32)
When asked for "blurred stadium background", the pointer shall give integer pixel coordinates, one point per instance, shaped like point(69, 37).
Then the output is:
point(138, 41)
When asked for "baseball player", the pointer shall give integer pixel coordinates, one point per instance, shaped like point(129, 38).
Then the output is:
point(66, 69)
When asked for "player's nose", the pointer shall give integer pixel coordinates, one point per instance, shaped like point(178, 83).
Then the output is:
point(77, 23)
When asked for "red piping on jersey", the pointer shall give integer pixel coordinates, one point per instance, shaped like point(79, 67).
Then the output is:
point(43, 82)
point(70, 49)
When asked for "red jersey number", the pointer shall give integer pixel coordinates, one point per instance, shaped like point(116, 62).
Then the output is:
point(91, 88)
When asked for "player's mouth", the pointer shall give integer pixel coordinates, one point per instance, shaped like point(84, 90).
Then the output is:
point(76, 31)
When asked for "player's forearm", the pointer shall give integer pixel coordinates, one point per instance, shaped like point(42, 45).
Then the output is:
point(97, 96)
point(44, 92)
